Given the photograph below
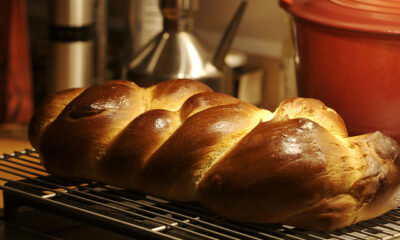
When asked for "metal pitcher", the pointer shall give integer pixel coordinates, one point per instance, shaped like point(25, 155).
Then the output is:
point(177, 53)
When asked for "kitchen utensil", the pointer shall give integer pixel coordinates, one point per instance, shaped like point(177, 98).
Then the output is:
point(347, 54)
point(176, 52)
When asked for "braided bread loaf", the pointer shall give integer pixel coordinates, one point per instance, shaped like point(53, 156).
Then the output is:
point(180, 141)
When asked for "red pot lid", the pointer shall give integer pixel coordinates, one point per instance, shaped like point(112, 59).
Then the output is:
point(376, 16)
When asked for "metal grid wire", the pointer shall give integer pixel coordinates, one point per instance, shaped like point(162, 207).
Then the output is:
point(136, 214)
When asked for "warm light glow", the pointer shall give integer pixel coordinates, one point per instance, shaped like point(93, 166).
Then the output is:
point(196, 68)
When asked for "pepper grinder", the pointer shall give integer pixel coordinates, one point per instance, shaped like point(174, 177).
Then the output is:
point(72, 44)
point(177, 53)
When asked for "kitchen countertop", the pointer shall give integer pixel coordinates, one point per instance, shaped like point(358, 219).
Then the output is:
point(13, 137)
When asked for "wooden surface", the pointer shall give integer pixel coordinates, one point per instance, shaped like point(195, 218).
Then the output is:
point(13, 137)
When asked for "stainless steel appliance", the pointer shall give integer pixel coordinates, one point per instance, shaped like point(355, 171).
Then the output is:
point(72, 44)
point(177, 53)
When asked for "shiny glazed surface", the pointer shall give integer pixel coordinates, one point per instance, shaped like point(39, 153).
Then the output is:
point(180, 141)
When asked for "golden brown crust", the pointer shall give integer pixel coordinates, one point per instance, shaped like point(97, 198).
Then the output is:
point(315, 110)
point(181, 141)
point(130, 150)
point(378, 188)
point(283, 158)
point(193, 147)
point(300, 174)
point(202, 101)
point(47, 112)
point(172, 94)
point(76, 140)
point(328, 214)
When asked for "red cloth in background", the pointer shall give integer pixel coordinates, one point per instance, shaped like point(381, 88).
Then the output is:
point(16, 92)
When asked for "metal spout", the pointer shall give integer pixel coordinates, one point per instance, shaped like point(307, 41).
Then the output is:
point(228, 36)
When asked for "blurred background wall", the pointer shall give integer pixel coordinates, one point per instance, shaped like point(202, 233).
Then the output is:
point(263, 38)
point(263, 29)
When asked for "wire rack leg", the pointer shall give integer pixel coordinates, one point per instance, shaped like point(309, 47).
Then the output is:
point(11, 206)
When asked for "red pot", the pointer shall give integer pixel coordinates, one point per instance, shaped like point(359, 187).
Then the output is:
point(347, 54)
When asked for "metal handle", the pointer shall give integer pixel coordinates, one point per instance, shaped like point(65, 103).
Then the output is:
point(227, 38)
